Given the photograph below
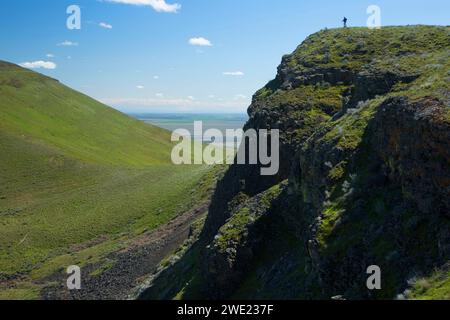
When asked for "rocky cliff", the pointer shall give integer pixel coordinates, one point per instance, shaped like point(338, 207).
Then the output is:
point(364, 117)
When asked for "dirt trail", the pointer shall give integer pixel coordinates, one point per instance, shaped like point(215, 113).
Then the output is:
point(132, 265)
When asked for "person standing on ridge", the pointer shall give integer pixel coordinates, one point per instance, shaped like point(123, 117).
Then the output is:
point(345, 22)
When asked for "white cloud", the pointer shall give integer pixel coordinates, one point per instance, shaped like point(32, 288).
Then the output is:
point(234, 73)
point(105, 25)
point(191, 98)
point(159, 95)
point(140, 87)
point(200, 41)
point(156, 77)
point(68, 43)
point(50, 55)
point(240, 97)
point(38, 65)
point(157, 5)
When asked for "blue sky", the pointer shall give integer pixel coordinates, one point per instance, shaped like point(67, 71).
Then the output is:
point(140, 59)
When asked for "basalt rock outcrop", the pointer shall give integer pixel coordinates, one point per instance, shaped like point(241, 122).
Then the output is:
point(364, 118)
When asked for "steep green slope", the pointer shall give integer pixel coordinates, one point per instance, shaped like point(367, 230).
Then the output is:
point(78, 181)
point(364, 119)
point(42, 108)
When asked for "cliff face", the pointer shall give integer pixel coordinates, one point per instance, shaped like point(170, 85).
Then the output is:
point(364, 118)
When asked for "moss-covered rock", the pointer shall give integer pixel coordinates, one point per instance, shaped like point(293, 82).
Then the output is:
point(364, 117)
point(233, 249)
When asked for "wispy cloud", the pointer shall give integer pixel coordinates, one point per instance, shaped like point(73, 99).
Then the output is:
point(161, 101)
point(157, 5)
point(68, 43)
point(234, 73)
point(140, 87)
point(50, 55)
point(105, 25)
point(240, 97)
point(200, 41)
point(38, 65)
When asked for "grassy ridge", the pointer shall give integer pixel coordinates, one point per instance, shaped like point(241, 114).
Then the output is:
point(78, 180)
point(42, 108)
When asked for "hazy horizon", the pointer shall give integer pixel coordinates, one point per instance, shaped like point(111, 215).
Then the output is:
point(183, 56)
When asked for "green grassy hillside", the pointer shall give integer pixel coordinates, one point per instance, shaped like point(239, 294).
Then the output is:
point(35, 106)
point(78, 180)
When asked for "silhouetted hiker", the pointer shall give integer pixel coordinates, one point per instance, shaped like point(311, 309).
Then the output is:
point(345, 22)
